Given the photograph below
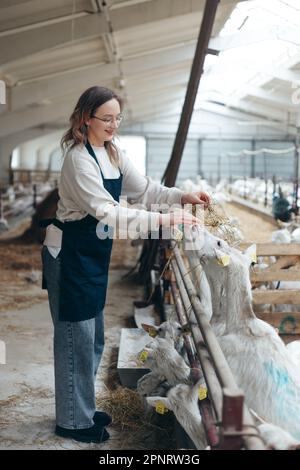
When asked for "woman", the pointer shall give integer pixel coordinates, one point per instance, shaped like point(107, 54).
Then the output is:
point(75, 260)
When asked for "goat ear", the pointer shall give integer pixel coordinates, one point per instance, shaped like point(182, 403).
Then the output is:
point(151, 329)
point(250, 253)
point(158, 401)
point(222, 258)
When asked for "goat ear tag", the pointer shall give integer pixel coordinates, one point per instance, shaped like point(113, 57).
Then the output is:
point(202, 393)
point(152, 332)
point(143, 356)
point(223, 260)
point(160, 408)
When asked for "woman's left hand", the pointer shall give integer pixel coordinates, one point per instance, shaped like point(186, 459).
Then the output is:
point(196, 198)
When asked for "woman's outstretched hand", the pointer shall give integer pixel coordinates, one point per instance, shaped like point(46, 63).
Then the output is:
point(196, 198)
point(179, 216)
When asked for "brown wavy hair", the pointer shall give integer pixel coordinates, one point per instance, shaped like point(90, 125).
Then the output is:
point(88, 103)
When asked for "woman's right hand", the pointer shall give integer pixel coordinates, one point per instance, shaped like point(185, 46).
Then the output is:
point(178, 217)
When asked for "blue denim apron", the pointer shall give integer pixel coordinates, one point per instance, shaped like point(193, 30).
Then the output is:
point(85, 261)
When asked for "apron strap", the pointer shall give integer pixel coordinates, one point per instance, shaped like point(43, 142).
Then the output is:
point(92, 154)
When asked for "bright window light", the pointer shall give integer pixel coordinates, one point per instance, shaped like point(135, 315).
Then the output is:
point(134, 147)
point(15, 158)
point(259, 36)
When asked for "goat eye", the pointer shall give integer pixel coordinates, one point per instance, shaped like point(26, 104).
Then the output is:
point(219, 243)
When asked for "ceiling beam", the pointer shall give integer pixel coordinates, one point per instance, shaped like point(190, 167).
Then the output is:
point(285, 74)
point(62, 32)
point(225, 111)
point(156, 100)
point(37, 40)
point(150, 114)
point(245, 114)
point(159, 84)
point(275, 99)
point(246, 38)
point(38, 90)
point(31, 117)
point(260, 110)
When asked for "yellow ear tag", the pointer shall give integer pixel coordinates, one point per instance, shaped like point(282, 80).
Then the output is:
point(152, 332)
point(202, 393)
point(161, 408)
point(223, 260)
point(143, 356)
point(254, 257)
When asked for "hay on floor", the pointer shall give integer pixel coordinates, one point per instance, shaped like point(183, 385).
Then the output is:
point(138, 427)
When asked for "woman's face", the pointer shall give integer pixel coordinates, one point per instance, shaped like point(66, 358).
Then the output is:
point(104, 122)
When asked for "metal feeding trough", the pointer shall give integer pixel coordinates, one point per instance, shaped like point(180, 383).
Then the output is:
point(129, 367)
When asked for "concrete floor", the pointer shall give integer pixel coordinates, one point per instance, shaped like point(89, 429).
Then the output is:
point(26, 394)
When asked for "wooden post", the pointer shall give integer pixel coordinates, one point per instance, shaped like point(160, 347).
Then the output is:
point(34, 196)
point(295, 202)
point(170, 174)
point(232, 420)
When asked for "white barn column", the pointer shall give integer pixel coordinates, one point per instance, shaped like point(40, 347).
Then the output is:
point(9, 143)
point(44, 154)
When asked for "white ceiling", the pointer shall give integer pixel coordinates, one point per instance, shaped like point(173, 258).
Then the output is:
point(50, 52)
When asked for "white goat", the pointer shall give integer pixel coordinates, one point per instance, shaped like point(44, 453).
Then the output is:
point(162, 358)
point(294, 350)
point(277, 438)
point(152, 384)
point(274, 437)
point(201, 283)
point(256, 354)
point(169, 329)
point(183, 401)
point(281, 236)
point(194, 239)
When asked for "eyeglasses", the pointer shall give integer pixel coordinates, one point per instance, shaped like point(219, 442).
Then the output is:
point(109, 120)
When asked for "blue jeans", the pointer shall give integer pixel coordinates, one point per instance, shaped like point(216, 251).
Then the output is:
point(78, 348)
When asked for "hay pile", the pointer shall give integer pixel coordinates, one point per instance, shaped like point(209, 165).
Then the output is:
point(137, 428)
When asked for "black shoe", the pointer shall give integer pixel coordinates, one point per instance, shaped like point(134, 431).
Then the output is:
point(100, 417)
point(94, 434)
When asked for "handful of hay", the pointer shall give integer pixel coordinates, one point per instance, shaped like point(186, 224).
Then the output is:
point(219, 224)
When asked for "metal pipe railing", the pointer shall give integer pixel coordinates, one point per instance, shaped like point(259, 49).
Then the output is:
point(226, 379)
point(205, 405)
point(207, 368)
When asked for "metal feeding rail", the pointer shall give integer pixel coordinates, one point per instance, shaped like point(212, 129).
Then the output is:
point(236, 426)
